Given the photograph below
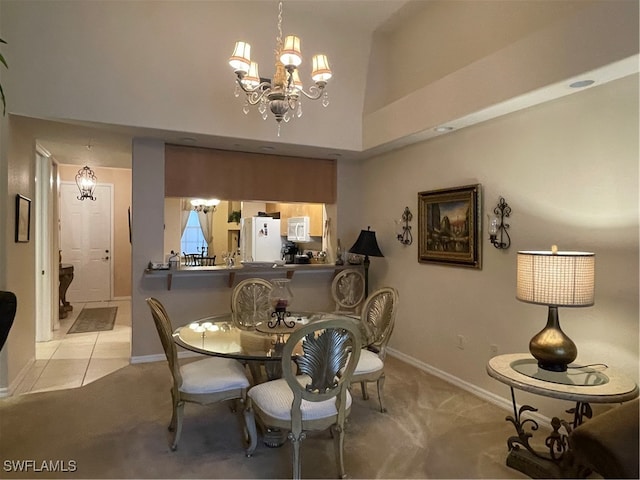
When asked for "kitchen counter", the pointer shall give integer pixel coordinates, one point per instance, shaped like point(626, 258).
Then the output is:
point(288, 269)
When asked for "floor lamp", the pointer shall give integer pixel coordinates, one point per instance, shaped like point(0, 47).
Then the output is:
point(366, 245)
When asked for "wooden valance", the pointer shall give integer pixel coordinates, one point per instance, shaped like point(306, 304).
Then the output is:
point(227, 175)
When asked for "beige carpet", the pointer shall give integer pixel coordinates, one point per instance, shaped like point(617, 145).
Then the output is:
point(116, 428)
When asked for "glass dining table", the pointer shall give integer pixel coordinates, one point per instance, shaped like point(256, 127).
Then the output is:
point(250, 338)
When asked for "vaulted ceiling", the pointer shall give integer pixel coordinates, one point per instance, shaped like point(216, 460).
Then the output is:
point(453, 82)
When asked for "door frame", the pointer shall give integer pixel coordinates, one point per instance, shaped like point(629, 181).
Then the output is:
point(46, 246)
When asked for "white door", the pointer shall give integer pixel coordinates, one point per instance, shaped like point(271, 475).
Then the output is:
point(85, 241)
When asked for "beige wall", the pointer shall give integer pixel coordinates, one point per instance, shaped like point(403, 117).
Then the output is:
point(120, 178)
point(19, 258)
point(569, 171)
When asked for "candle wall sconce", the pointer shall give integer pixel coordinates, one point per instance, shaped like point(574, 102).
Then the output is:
point(497, 227)
point(404, 229)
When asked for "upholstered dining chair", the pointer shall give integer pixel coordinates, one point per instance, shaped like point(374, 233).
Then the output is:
point(378, 318)
point(347, 290)
point(205, 381)
point(318, 397)
point(250, 299)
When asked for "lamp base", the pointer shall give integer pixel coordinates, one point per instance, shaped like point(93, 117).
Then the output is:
point(551, 347)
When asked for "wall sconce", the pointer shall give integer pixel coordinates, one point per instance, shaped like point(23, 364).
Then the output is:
point(86, 182)
point(404, 229)
point(498, 227)
point(206, 206)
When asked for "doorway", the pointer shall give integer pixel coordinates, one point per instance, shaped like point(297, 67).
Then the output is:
point(86, 242)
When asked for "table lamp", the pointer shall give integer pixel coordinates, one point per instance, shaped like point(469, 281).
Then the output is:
point(556, 279)
point(366, 245)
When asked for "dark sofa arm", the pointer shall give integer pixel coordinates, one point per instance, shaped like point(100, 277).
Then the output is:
point(608, 443)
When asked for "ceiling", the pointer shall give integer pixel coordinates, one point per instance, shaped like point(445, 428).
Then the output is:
point(110, 145)
point(101, 145)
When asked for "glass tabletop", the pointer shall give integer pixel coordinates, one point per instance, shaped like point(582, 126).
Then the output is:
point(243, 337)
point(582, 376)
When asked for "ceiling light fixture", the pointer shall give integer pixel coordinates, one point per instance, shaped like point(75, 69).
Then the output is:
point(205, 206)
point(86, 182)
point(282, 93)
point(581, 83)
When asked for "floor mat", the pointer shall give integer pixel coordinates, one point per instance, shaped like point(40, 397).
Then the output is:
point(94, 320)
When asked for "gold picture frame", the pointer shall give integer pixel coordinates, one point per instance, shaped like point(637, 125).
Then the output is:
point(23, 219)
point(449, 224)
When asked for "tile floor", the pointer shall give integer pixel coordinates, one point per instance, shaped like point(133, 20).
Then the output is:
point(73, 360)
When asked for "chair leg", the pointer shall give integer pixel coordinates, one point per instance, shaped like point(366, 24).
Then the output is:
point(174, 406)
point(380, 384)
point(337, 432)
point(252, 432)
point(178, 413)
point(297, 460)
point(363, 387)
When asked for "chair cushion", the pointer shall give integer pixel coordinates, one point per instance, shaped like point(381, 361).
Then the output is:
point(211, 375)
point(275, 399)
point(369, 362)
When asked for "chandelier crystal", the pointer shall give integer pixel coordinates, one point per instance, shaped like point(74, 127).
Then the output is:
point(282, 94)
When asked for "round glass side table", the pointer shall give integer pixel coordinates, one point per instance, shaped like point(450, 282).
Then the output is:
point(582, 385)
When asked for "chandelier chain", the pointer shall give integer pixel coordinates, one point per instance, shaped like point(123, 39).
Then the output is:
point(279, 36)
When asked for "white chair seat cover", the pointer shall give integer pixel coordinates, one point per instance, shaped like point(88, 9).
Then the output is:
point(212, 375)
point(368, 362)
point(275, 399)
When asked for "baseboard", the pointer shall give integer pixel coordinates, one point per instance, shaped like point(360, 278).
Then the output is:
point(121, 298)
point(161, 356)
point(490, 397)
point(13, 386)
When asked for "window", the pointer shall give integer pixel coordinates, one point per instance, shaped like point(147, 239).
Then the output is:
point(192, 239)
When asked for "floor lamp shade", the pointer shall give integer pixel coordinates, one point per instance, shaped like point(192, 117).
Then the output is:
point(556, 279)
point(366, 245)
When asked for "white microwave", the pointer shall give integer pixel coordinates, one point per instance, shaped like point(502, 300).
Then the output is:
point(298, 229)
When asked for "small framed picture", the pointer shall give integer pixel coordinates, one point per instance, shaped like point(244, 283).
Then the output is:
point(23, 219)
point(449, 226)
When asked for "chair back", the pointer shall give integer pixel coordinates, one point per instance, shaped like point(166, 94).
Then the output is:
point(208, 261)
point(8, 307)
point(378, 316)
point(165, 331)
point(331, 349)
point(347, 289)
point(250, 300)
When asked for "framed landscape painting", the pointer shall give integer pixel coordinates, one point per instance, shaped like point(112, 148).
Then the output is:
point(449, 223)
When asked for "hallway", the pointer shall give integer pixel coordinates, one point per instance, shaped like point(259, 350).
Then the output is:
point(74, 360)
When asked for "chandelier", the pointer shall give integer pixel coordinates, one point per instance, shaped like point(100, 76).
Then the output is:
point(282, 94)
point(205, 206)
point(86, 182)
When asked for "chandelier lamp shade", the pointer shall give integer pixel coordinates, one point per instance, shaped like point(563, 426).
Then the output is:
point(556, 279)
point(282, 94)
point(205, 206)
point(86, 181)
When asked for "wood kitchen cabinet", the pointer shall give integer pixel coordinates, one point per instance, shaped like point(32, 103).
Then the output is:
point(287, 210)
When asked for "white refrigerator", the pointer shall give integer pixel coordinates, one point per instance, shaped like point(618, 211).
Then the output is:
point(260, 239)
